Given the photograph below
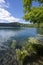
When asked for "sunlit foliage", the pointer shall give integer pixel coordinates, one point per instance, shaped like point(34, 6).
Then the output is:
point(33, 14)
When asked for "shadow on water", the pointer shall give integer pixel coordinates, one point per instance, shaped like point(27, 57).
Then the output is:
point(40, 34)
point(40, 31)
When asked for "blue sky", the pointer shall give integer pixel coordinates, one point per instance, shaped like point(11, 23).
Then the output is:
point(16, 8)
point(12, 10)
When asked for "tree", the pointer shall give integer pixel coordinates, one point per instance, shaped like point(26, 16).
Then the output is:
point(33, 14)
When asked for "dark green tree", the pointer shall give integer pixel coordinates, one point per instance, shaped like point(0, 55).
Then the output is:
point(33, 14)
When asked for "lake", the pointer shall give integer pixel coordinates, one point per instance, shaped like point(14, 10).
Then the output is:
point(7, 35)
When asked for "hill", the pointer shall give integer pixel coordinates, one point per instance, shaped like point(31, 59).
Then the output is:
point(16, 24)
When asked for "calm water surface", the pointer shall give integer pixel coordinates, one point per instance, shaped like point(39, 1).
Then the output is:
point(18, 34)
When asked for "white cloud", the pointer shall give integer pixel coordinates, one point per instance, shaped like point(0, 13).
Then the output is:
point(4, 4)
point(5, 16)
point(23, 21)
point(2, 1)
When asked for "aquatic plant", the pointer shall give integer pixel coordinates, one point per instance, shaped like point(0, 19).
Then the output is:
point(32, 48)
point(13, 45)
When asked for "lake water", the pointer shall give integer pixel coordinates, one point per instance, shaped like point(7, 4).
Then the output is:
point(7, 35)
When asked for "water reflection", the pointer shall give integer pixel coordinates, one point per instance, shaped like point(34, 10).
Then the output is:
point(40, 34)
point(7, 35)
point(40, 31)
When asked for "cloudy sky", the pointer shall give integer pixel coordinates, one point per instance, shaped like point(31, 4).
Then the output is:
point(11, 11)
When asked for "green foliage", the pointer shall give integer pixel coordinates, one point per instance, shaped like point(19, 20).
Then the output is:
point(27, 4)
point(33, 14)
point(18, 53)
point(21, 54)
point(32, 46)
point(13, 45)
point(29, 45)
point(33, 40)
point(27, 49)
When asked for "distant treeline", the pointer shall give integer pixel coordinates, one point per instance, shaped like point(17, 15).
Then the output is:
point(10, 24)
point(16, 24)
